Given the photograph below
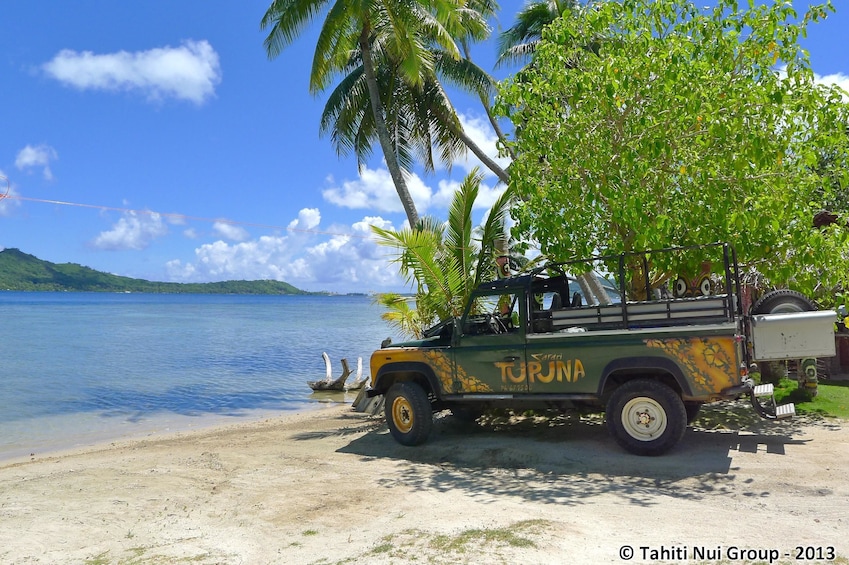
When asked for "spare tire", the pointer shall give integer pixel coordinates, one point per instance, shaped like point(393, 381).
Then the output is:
point(783, 301)
point(779, 302)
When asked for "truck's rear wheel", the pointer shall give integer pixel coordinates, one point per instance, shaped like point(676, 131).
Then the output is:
point(646, 417)
point(408, 413)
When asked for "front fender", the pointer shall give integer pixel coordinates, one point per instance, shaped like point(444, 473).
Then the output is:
point(414, 371)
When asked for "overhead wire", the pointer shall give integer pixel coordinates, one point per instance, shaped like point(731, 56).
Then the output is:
point(7, 194)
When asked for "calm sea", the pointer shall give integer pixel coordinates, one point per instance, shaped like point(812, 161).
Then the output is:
point(81, 368)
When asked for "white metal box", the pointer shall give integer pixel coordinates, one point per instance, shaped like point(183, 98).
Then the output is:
point(794, 335)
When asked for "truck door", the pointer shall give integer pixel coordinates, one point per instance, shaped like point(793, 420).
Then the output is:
point(557, 363)
point(489, 356)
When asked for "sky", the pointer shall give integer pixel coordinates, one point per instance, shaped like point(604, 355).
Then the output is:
point(156, 140)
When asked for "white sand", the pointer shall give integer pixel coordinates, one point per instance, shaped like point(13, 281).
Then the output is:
point(332, 486)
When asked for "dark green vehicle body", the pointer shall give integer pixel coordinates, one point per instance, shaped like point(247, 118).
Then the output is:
point(531, 342)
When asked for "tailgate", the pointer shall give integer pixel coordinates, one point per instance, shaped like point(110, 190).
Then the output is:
point(794, 335)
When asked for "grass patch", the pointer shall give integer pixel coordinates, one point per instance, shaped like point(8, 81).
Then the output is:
point(510, 536)
point(309, 533)
point(382, 548)
point(832, 399)
point(98, 559)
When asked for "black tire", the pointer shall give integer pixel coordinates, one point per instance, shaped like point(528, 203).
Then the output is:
point(692, 410)
point(646, 417)
point(409, 414)
point(783, 301)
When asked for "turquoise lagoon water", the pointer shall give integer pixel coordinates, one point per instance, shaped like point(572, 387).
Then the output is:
point(82, 368)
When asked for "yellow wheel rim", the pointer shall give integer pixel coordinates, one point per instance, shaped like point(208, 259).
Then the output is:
point(402, 415)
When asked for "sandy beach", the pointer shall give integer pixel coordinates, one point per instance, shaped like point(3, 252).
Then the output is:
point(331, 486)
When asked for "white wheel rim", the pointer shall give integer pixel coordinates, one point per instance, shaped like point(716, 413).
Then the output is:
point(680, 287)
point(704, 286)
point(786, 309)
point(644, 419)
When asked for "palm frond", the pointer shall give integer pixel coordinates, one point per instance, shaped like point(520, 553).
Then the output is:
point(287, 19)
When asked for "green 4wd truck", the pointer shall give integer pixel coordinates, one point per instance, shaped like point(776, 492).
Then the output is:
point(547, 340)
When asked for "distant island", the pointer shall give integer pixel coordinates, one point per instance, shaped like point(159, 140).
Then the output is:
point(21, 271)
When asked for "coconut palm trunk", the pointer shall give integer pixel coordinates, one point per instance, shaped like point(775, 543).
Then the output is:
point(383, 132)
point(488, 161)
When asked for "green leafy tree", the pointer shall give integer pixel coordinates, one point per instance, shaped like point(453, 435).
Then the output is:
point(444, 261)
point(681, 126)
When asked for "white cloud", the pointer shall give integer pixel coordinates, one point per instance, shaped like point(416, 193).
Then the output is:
point(189, 72)
point(179, 271)
point(374, 190)
point(134, 231)
point(230, 231)
point(39, 156)
point(351, 261)
point(838, 79)
point(487, 195)
point(307, 219)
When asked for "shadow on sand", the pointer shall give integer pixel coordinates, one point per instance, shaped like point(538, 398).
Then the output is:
point(569, 460)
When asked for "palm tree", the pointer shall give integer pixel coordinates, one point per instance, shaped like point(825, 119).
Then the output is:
point(415, 136)
point(518, 43)
point(382, 30)
point(420, 118)
point(445, 261)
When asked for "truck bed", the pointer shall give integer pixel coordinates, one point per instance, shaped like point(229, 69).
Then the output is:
point(631, 315)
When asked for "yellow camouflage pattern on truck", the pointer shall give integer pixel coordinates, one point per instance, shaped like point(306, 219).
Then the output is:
point(709, 362)
point(440, 362)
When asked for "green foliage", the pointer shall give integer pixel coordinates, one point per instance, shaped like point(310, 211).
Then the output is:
point(832, 399)
point(643, 124)
point(21, 271)
point(420, 118)
point(400, 314)
point(444, 262)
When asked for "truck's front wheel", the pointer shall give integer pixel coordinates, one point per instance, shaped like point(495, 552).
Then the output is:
point(646, 417)
point(408, 413)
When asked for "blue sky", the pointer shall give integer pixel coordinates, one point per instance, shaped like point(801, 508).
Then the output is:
point(155, 140)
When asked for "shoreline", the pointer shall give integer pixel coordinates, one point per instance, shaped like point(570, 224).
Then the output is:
point(157, 427)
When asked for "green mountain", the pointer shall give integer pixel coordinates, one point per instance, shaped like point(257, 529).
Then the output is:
point(20, 271)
